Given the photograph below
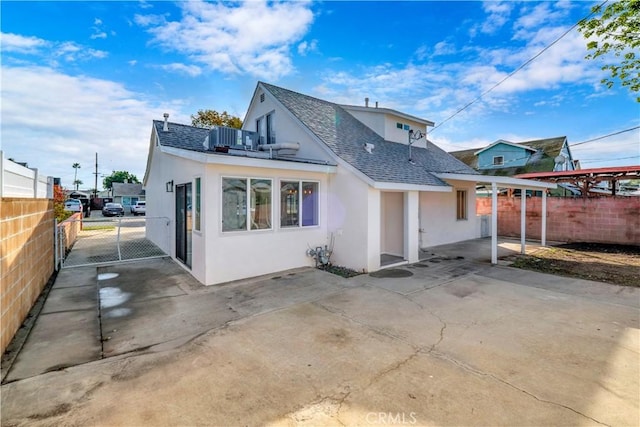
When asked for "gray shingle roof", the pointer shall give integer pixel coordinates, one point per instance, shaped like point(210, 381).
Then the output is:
point(181, 136)
point(127, 189)
point(345, 136)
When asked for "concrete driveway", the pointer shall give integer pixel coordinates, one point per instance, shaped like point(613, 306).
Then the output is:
point(454, 342)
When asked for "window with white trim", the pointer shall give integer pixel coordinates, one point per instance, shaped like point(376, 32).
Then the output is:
point(498, 160)
point(461, 204)
point(246, 204)
point(299, 203)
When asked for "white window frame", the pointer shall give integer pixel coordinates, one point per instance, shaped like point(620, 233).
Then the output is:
point(497, 162)
point(300, 205)
point(248, 207)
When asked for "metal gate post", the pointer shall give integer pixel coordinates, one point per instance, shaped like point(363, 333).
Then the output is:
point(118, 238)
point(56, 245)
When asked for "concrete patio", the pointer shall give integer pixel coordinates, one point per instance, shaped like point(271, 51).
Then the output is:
point(451, 340)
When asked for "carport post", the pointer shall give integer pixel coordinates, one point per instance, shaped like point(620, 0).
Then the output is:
point(494, 223)
point(543, 232)
point(523, 219)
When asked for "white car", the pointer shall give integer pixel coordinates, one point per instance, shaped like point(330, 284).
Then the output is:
point(73, 205)
point(140, 208)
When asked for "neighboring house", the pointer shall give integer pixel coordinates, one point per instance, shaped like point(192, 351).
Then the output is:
point(304, 174)
point(127, 194)
point(508, 158)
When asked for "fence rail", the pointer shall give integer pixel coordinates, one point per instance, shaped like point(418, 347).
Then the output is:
point(104, 241)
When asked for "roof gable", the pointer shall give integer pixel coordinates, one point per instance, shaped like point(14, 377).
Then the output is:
point(503, 142)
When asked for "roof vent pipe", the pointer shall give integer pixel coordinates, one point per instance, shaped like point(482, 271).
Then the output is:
point(376, 104)
point(165, 128)
point(366, 102)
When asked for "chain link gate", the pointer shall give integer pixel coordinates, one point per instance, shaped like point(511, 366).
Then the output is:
point(97, 241)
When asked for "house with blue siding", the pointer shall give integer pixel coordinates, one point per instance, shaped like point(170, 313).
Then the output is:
point(508, 158)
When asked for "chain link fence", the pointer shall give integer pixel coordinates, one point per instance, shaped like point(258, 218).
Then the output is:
point(112, 240)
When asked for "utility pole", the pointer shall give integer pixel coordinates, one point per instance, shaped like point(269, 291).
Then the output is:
point(95, 187)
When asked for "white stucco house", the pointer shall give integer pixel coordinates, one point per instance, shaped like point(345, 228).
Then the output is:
point(305, 173)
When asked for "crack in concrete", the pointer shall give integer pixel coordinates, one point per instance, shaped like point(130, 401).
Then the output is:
point(340, 403)
point(331, 406)
point(358, 322)
point(394, 367)
point(478, 372)
point(432, 351)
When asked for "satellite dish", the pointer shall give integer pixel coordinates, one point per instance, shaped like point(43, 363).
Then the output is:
point(416, 134)
point(560, 160)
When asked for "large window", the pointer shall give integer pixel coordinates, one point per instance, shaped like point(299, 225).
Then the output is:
point(243, 199)
point(461, 204)
point(197, 218)
point(298, 203)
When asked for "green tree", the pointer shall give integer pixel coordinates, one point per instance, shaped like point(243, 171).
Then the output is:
point(617, 30)
point(77, 183)
point(209, 118)
point(119, 176)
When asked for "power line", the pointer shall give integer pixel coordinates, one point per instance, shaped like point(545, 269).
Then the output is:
point(605, 136)
point(594, 10)
point(601, 160)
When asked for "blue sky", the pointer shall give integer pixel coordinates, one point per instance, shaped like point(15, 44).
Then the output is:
point(86, 77)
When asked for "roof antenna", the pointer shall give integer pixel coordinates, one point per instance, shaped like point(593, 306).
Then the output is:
point(165, 128)
point(413, 136)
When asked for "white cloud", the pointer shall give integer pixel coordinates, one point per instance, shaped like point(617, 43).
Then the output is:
point(498, 15)
point(621, 149)
point(191, 70)
point(71, 51)
point(98, 31)
point(437, 88)
point(53, 51)
point(253, 37)
point(144, 4)
point(307, 47)
point(541, 14)
point(52, 120)
point(99, 35)
point(443, 48)
point(21, 44)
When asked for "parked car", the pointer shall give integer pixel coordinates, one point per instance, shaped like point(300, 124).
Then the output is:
point(73, 205)
point(113, 209)
point(140, 208)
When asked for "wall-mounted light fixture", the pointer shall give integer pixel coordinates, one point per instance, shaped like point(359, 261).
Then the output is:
point(169, 185)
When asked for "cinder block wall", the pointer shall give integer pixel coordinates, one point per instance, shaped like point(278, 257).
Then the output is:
point(597, 220)
point(26, 259)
